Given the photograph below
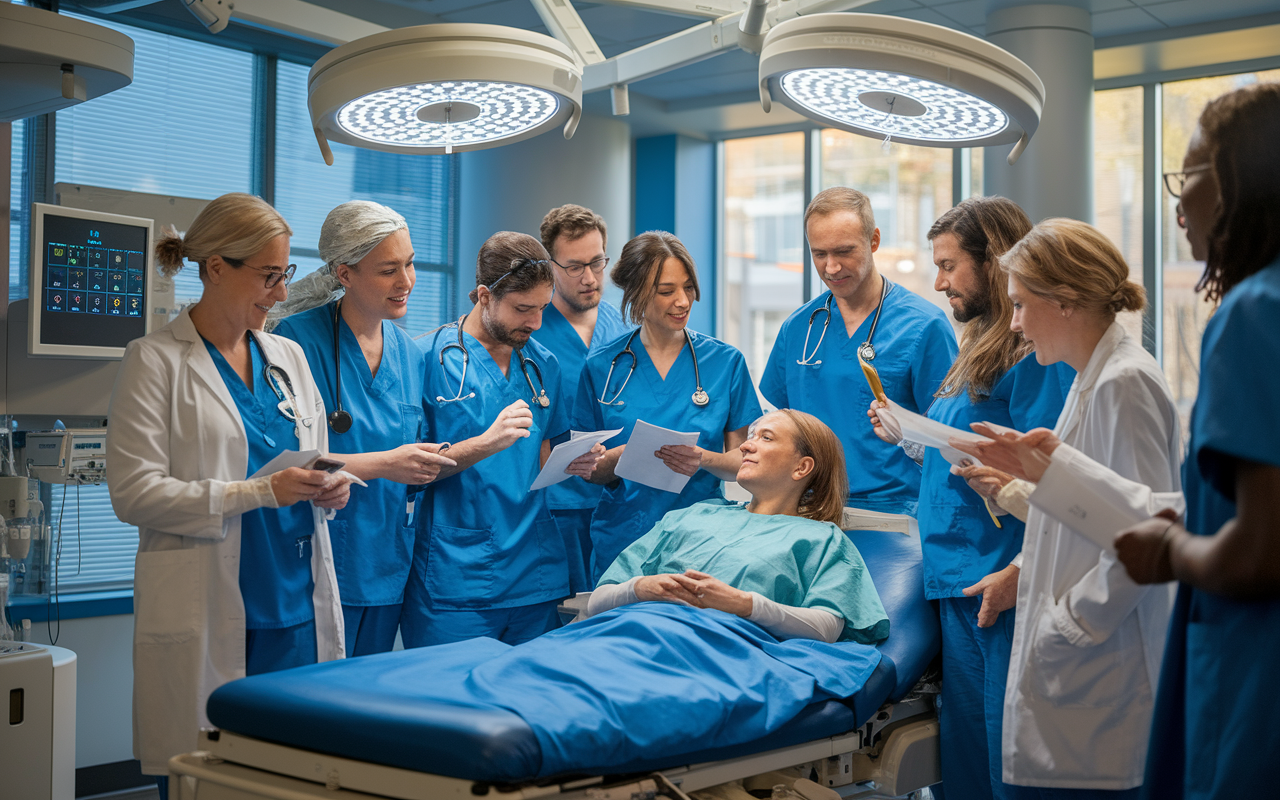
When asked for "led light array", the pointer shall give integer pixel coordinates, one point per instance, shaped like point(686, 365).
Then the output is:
point(390, 116)
point(950, 114)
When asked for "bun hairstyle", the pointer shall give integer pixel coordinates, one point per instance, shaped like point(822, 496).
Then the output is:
point(235, 225)
point(511, 262)
point(823, 499)
point(1072, 263)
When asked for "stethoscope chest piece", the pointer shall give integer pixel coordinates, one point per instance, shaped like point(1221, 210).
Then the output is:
point(867, 352)
point(340, 421)
point(542, 399)
point(701, 398)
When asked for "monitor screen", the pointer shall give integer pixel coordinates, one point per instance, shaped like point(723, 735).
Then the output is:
point(90, 280)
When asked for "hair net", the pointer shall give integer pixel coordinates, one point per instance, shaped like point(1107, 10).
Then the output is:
point(350, 232)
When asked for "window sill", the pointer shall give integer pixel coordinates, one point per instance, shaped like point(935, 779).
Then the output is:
point(72, 606)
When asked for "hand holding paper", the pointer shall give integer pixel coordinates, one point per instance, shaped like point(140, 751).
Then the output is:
point(1022, 455)
point(566, 453)
point(640, 462)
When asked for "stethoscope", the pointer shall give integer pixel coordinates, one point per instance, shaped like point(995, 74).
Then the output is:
point(866, 350)
point(279, 382)
point(339, 420)
point(700, 397)
point(539, 394)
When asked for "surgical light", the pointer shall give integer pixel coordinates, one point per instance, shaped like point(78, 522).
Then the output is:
point(901, 80)
point(444, 88)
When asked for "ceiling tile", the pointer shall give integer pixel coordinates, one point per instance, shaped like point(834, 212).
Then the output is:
point(969, 13)
point(888, 6)
point(1194, 12)
point(1128, 20)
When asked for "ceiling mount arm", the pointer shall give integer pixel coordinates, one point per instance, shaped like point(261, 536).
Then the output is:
point(562, 20)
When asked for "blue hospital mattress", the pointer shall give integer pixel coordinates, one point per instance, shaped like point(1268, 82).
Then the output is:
point(380, 709)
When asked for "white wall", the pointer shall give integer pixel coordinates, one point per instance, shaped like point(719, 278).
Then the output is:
point(104, 684)
point(511, 188)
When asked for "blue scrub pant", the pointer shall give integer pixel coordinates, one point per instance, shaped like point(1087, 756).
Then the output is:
point(1036, 793)
point(423, 626)
point(162, 786)
point(370, 629)
point(274, 649)
point(975, 668)
point(575, 529)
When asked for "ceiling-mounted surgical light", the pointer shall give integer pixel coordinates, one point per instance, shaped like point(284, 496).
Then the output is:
point(444, 88)
point(900, 79)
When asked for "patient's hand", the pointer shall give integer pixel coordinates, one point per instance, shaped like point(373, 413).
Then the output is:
point(665, 588)
point(709, 592)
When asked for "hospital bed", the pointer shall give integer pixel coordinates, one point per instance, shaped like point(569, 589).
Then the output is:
point(361, 741)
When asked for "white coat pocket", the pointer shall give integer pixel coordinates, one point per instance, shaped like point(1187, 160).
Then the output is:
point(1109, 673)
point(170, 588)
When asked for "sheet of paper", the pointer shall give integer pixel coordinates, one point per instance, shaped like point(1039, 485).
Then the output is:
point(639, 464)
point(289, 458)
point(919, 428)
point(564, 453)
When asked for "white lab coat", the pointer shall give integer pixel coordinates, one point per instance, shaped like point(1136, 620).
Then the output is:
point(1088, 641)
point(174, 443)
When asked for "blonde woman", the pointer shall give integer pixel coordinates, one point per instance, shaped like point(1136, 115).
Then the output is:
point(970, 559)
point(234, 574)
point(1088, 640)
point(780, 560)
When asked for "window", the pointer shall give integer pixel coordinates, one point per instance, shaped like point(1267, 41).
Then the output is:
point(763, 241)
point(1186, 313)
point(419, 187)
point(1117, 181)
point(17, 208)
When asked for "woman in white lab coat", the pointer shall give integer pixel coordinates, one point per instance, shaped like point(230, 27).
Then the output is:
point(1088, 640)
point(178, 456)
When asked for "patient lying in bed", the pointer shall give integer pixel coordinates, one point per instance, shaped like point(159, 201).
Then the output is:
point(780, 561)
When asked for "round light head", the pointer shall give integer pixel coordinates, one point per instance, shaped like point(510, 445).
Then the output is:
point(444, 88)
point(914, 82)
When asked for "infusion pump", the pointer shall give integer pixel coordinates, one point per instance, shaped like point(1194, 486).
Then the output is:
point(73, 455)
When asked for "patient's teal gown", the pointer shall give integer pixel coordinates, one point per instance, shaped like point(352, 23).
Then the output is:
point(790, 560)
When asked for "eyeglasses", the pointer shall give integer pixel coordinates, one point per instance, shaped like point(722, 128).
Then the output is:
point(273, 274)
point(1175, 182)
point(517, 266)
point(573, 269)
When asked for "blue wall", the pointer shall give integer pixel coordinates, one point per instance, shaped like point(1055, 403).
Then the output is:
point(675, 190)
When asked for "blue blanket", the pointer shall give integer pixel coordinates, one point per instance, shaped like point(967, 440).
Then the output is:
point(653, 680)
point(642, 682)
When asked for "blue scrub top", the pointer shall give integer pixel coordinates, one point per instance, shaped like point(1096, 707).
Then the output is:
point(372, 537)
point(960, 542)
point(915, 346)
point(488, 542)
point(628, 510)
point(275, 543)
point(558, 336)
point(1217, 674)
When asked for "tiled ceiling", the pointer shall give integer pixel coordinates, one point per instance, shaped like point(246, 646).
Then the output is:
point(731, 76)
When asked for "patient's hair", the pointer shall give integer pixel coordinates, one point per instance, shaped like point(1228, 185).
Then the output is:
point(1073, 264)
point(235, 225)
point(823, 499)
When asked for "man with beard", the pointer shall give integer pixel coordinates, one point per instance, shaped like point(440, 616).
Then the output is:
point(575, 325)
point(971, 560)
point(488, 559)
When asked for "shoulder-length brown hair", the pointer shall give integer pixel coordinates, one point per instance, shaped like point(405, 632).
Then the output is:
point(985, 228)
point(824, 497)
point(640, 266)
point(1242, 129)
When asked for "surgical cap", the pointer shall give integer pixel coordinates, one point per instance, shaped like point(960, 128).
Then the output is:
point(350, 232)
